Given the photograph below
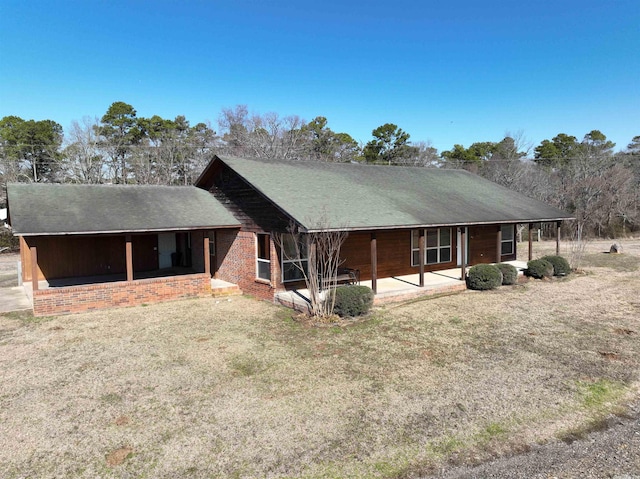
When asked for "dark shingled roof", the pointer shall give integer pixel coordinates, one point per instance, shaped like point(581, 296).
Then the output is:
point(37, 209)
point(358, 197)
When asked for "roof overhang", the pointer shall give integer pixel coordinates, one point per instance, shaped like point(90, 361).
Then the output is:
point(437, 225)
point(120, 232)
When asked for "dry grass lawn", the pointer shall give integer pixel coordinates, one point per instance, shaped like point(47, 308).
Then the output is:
point(210, 388)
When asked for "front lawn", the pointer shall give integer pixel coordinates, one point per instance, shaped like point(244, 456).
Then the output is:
point(238, 388)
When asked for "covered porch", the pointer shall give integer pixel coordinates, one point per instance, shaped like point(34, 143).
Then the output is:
point(435, 252)
point(71, 273)
point(397, 288)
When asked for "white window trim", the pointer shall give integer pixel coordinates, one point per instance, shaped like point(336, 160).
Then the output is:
point(439, 247)
point(262, 260)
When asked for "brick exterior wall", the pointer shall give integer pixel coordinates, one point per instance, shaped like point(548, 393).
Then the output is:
point(75, 299)
point(236, 252)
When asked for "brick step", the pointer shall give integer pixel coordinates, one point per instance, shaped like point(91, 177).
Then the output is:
point(226, 291)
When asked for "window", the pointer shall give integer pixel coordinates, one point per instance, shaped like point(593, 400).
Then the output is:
point(437, 246)
point(508, 235)
point(263, 267)
point(291, 263)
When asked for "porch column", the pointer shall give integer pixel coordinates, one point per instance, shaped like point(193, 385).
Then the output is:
point(129, 253)
point(421, 257)
point(463, 250)
point(499, 244)
point(34, 268)
point(558, 224)
point(207, 258)
point(530, 241)
point(374, 264)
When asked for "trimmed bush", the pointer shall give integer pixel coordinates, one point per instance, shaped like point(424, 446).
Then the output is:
point(484, 276)
point(509, 273)
point(539, 268)
point(352, 300)
point(560, 265)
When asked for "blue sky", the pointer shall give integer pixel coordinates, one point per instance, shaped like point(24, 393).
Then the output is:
point(446, 72)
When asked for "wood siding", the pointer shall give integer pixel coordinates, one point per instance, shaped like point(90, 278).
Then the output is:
point(77, 256)
point(69, 256)
point(394, 254)
point(253, 211)
point(145, 253)
point(483, 244)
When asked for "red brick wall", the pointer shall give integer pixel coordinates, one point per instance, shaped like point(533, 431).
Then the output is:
point(236, 252)
point(74, 299)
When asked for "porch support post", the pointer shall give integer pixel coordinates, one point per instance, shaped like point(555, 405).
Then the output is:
point(558, 224)
point(463, 250)
point(207, 258)
point(374, 263)
point(421, 257)
point(499, 244)
point(530, 241)
point(129, 253)
point(34, 267)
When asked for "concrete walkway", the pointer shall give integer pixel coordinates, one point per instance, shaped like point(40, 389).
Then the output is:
point(13, 299)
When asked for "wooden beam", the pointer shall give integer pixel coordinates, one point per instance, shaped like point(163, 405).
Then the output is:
point(463, 250)
point(558, 224)
point(421, 257)
point(499, 244)
point(530, 241)
point(34, 267)
point(207, 257)
point(374, 264)
point(129, 254)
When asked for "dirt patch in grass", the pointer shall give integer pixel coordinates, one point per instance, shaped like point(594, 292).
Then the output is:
point(240, 389)
point(117, 457)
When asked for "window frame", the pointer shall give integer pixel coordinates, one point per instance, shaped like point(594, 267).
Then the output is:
point(439, 247)
point(284, 259)
point(265, 240)
point(510, 241)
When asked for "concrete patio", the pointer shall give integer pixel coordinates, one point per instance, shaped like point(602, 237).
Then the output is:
point(397, 288)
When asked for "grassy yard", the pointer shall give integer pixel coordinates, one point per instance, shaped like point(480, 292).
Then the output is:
point(239, 388)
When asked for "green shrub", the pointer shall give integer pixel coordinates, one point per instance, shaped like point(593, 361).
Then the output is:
point(539, 268)
point(509, 273)
point(560, 265)
point(352, 300)
point(8, 240)
point(484, 276)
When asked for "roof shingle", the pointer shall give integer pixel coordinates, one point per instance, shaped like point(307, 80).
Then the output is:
point(356, 196)
point(38, 208)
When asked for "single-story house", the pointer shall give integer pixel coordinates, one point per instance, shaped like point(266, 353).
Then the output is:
point(127, 243)
point(388, 213)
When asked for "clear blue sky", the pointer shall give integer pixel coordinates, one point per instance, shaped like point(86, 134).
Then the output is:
point(445, 71)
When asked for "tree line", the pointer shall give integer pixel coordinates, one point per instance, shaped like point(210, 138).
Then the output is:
point(585, 177)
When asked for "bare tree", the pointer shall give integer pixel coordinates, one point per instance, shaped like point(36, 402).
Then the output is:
point(577, 245)
point(84, 162)
point(424, 154)
point(265, 136)
point(316, 256)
